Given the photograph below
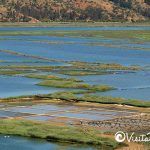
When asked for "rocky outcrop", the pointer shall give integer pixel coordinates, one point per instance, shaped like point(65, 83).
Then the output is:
point(73, 10)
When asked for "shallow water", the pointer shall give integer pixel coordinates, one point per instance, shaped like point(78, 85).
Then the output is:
point(32, 63)
point(104, 50)
point(17, 86)
point(41, 109)
point(78, 49)
point(140, 94)
point(130, 85)
point(71, 28)
point(57, 113)
point(5, 114)
point(20, 143)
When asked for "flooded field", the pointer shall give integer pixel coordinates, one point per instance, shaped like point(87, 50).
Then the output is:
point(17, 86)
point(80, 49)
point(112, 64)
point(31, 50)
point(134, 85)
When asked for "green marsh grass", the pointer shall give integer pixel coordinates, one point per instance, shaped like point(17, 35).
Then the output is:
point(86, 97)
point(52, 132)
point(75, 85)
point(143, 35)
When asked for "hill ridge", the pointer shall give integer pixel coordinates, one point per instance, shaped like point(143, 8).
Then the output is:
point(74, 10)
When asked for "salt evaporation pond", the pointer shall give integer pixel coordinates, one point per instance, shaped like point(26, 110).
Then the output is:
point(59, 112)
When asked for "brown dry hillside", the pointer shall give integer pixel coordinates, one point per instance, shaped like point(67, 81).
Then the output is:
point(74, 10)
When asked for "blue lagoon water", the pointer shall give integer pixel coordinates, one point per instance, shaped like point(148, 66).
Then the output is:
point(125, 52)
point(19, 143)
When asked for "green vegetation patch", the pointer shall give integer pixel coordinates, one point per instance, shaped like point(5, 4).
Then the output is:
point(143, 35)
point(80, 96)
point(73, 24)
point(55, 133)
point(75, 68)
point(11, 72)
point(51, 77)
point(83, 72)
point(99, 99)
point(102, 66)
point(74, 84)
point(54, 81)
point(25, 67)
point(84, 68)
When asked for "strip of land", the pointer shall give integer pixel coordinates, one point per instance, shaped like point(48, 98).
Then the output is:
point(73, 24)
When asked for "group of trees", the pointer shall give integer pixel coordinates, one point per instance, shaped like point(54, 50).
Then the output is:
point(136, 5)
point(123, 3)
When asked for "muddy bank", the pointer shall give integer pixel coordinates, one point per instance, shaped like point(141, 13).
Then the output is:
point(139, 123)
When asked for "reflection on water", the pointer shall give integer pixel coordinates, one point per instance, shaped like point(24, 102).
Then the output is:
point(20, 143)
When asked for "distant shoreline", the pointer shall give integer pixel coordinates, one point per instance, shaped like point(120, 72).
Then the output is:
point(73, 24)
